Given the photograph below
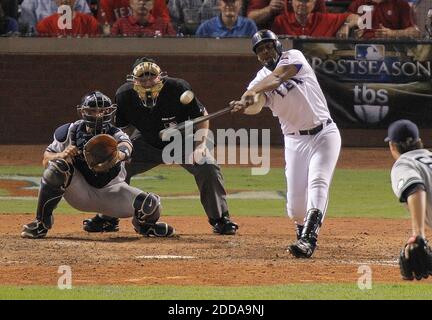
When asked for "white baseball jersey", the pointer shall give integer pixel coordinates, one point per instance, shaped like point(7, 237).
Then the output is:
point(414, 167)
point(299, 103)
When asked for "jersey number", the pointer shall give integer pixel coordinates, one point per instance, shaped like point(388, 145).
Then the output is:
point(288, 86)
point(425, 160)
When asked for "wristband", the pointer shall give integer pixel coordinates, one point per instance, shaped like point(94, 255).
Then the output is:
point(126, 151)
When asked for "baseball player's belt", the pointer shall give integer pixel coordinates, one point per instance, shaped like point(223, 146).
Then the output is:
point(312, 131)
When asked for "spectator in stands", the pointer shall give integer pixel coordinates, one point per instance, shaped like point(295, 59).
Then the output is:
point(10, 8)
point(142, 22)
point(112, 10)
point(390, 19)
point(94, 6)
point(263, 12)
point(229, 23)
point(304, 22)
point(8, 25)
point(33, 11)
point(83, 24)
point(187, 15)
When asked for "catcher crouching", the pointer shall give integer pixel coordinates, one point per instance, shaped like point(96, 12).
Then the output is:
point(85, 164)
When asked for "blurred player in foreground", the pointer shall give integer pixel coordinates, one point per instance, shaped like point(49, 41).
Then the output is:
point(411, 178)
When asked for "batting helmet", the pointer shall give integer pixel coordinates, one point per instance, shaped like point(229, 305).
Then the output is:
point(147, 78)
point(268, 36)
point(97, 111)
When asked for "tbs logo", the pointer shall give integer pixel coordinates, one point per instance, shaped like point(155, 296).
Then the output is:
point(370, 104)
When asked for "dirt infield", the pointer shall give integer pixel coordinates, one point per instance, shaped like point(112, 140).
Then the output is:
point(366, 158)
point(256, 256)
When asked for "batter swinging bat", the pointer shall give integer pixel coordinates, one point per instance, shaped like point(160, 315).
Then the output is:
point(259, 100)
point(181, 126)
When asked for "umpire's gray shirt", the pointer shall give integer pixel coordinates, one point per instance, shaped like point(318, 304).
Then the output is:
point(414, 167)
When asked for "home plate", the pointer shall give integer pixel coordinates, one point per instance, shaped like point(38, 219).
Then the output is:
point(165, 257)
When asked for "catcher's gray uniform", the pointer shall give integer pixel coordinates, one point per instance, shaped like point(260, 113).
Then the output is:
point(414, 168)
point(84, 193)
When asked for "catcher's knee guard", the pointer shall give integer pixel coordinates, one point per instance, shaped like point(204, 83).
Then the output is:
point(147, 212)
point(58, 173)
point(147, 207)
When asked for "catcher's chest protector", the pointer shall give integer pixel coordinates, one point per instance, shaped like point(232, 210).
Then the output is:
point(97, 180)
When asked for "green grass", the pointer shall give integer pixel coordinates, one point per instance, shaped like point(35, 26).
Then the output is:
point(410, 291)
point(354, 193)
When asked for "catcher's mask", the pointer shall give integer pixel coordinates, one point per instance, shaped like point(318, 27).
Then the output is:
point(97, 111)
point(267, 47)
point(147, 78)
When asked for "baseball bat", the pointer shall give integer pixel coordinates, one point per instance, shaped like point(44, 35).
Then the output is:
point(181, 126)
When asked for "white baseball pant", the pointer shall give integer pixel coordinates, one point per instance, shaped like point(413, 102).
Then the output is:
point(310, 161)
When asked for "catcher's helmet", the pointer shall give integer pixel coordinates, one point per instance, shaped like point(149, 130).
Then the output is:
point(147, 78)
point(268, 36)
point(97, 111)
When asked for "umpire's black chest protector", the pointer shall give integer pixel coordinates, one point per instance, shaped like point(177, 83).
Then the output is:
point(168, 110)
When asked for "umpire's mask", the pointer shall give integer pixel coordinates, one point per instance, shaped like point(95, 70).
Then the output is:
point(148, 82)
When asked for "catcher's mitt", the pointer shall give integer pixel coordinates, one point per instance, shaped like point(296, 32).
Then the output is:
point(101, 153)
point(415, 259)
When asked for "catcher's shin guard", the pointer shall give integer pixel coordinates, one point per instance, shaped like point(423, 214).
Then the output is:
point(306, 245)
point(148, 207)
point(224, 225)
point(101, 223)
point(147, 212)
point(54, 180)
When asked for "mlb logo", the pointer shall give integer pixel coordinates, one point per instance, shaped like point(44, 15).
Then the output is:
point(374, 52)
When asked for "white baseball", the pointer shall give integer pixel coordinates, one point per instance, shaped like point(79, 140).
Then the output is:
point(187, 97)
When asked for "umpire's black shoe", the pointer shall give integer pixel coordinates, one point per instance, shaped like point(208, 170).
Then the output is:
point(158, 229)
point(224, 225)
point(303, 248)
point(34, 230)
point(101, 223)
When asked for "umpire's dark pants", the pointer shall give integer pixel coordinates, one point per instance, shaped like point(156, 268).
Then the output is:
point(208, 177)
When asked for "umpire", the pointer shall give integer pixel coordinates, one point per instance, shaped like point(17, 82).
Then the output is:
point(149, 102)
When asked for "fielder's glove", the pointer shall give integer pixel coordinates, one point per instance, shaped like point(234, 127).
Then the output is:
point(415, 259)
point(101, 153)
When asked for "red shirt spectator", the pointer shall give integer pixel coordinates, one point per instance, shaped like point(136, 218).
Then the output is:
point(390, 18)
point(112, 10)
point(82, 24)
point(318, 24)
point(261, 12)
point(130, 26)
